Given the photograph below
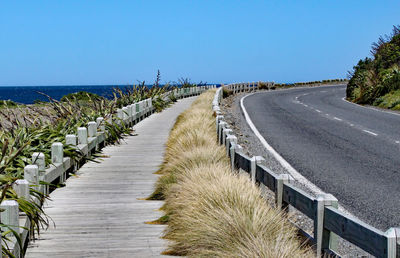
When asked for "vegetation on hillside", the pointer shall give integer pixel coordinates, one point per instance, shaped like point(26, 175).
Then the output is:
point(376, 80)
point(210, 211)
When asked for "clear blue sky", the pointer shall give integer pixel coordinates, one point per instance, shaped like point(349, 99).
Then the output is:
point(120, 42)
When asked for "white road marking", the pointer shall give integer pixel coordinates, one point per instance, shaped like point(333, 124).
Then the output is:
point(375, 109)
point(293, 172)
point(336, 118)
point(397, 141)
point(319, 111)
point(372, 133)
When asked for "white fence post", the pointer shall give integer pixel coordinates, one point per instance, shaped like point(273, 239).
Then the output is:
point(323, 238)
point(280, 180)
point(82, 135)
point(92, 129)
point(71, 139)
point(57, 153)
point(234, 148)
point(10, 215)
point(217, 119)
point(225, 133)
point(31, 173)
point(38, 159)
point(222, 125)
point(254, 161)
point(393, 235)
point(21, 188)
point(229, 139)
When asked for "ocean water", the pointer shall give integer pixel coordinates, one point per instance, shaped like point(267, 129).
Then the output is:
point(28, 94)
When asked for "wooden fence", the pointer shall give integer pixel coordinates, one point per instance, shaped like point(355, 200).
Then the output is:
point(87, 140)
point(329, 222)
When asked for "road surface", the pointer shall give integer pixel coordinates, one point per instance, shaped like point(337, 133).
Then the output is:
point(350, 151)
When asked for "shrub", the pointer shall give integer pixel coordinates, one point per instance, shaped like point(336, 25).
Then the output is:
point(226, 92)
point(374, 77)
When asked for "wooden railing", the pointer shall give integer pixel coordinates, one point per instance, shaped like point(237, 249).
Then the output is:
point(87, 140)
point(329, 221)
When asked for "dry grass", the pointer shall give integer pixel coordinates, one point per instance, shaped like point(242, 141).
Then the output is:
point(212, 212)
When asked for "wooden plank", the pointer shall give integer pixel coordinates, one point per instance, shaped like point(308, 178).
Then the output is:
point(268, 178)
point(355, 231)
point(300, 200)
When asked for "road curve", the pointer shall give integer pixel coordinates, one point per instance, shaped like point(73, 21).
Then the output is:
point(350, 151)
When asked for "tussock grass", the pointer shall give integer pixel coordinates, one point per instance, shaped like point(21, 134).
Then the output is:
point(212, 212)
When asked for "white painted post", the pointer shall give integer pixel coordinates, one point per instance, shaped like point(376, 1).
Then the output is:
point(39, 160)
point(82, 135)
point(10, 215)
point(31, 173)
point(130, 112)
point(225, 133)
point(125, 113)
point(222, 125)
point(137, 106)
point(71, 139)
point(324, 239)
point(217, 119)
point(254, 161)
point(57, 153)
point(229, 139)
point(100, 124)
point(393, 235)
point(21, 187)
point(92, 129)
point(234, 148)
point(280, 180)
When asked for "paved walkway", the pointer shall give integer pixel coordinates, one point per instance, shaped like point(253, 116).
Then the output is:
point(98, 213)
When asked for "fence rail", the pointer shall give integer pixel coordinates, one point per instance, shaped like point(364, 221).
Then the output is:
point(87, 140)
point(329, 222)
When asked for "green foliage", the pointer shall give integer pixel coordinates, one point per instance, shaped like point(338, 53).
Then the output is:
point(81, 96)
point(7, 103)
point(375, 77)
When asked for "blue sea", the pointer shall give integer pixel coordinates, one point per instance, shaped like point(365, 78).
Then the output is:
point(28, 94)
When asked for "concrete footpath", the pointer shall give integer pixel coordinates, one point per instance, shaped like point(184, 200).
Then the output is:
point(99, 213)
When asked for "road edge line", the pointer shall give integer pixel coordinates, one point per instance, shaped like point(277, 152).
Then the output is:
point(292, 171)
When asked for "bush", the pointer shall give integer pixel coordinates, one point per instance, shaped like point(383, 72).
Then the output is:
point(375, 77)
point(226, 92)
point(81, 96)
point(8, 103)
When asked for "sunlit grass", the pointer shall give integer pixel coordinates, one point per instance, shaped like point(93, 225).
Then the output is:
point(211, 212)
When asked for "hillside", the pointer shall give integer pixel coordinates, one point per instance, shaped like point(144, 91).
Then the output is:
point(376, 80)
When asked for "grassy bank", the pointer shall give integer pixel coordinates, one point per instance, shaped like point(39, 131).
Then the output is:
point(376, 80)
point(210, 211)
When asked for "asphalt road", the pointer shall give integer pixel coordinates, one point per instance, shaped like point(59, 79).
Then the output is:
point(350, 151)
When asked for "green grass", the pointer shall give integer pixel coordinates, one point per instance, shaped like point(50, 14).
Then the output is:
point(389, 101)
